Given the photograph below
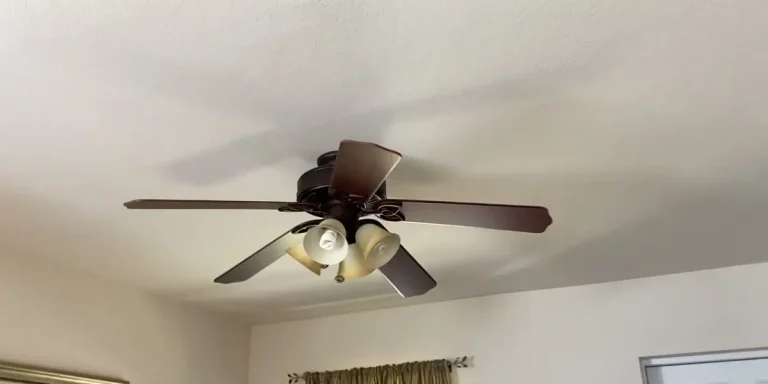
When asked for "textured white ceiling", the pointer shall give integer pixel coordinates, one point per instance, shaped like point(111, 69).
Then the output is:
point(640, 124)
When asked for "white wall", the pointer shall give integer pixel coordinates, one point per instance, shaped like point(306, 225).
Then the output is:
point(588, 334)
point(53, 317)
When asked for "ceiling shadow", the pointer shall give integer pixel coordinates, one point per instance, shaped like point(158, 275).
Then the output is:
point(705, 230)
point(310, 107)
point(35, 227)
point(308, 139)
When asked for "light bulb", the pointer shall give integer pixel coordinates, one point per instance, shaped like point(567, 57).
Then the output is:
point(328, 239)
point(381, 247)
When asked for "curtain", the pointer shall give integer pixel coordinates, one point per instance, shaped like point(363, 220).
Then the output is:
point(421, 372)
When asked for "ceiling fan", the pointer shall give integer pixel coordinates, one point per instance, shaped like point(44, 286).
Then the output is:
point(346, 186)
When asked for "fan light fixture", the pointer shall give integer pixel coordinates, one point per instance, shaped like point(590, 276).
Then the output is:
point(327, 244)
point(379, 246)
point(373, 248)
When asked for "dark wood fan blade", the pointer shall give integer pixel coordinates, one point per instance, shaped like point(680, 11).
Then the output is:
point(266, 255)
point(406, 275)
point(203, 204)
point(519, 218)
point(361, 168)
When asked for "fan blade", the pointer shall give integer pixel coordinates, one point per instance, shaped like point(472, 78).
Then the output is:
point(406, 275)
point(361, 168)
point(203, 204)
point(519, 218)
point(266, 255)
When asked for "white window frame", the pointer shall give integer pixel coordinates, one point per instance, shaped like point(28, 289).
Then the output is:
point(699, 358)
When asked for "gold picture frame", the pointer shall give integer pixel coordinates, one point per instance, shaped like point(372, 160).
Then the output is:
point(18, 373)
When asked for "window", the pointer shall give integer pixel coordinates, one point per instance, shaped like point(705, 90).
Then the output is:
point(734, 367)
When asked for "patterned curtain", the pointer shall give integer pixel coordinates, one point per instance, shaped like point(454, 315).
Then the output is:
point(421, 372)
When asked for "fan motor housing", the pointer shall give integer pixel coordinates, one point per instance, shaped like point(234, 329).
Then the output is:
point(313, 186)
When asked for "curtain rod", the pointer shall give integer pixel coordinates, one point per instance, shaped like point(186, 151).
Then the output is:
point(455, 362)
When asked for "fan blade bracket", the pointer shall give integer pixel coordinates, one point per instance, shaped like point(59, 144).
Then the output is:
point(310, 208)
point(305, 227)
point(389, 210)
